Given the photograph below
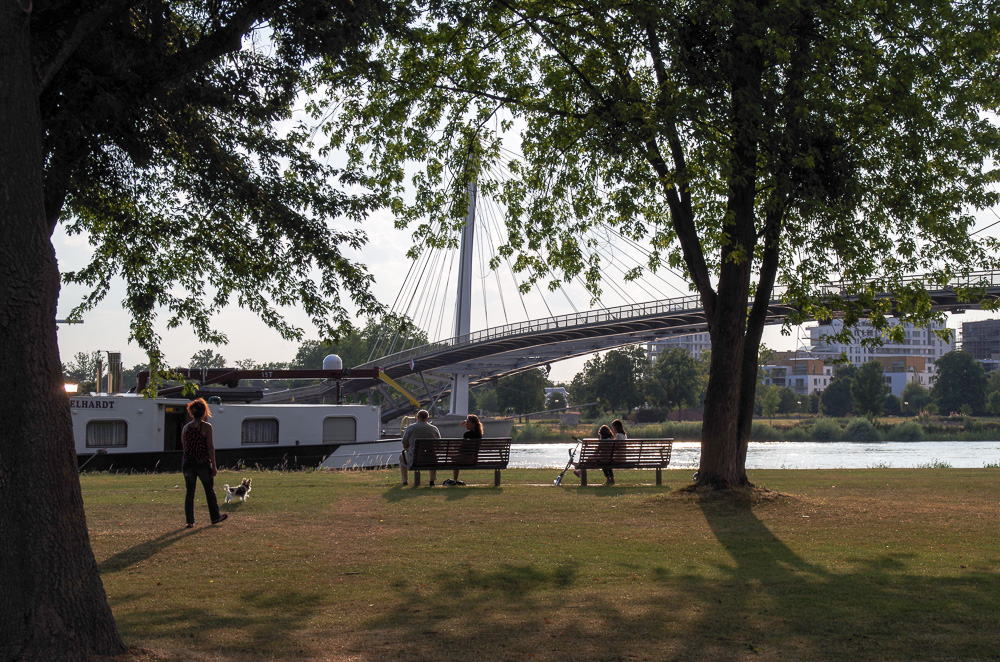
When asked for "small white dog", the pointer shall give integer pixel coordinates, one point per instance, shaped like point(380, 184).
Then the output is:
point(241, 491)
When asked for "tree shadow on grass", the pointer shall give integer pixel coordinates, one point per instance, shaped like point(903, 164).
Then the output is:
point(773, 602)
point(262, 624)
point(142, 551)
point(758, 600)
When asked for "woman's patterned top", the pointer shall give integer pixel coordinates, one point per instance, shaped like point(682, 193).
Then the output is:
point(195, 444)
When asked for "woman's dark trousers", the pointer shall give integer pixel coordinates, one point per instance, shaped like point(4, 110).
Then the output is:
point(193, 471)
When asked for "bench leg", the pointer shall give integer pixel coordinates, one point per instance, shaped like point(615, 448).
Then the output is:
point(416, 479)
point(496, 478)
point(659, 476)
point(583, 477)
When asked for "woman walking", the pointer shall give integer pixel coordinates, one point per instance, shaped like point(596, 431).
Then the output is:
point(198, 461)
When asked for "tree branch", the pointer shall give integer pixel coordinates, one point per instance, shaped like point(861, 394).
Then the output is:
point(594, 92)
point(687, 234)
point(678, 194)
point(512, 101)
point(85, 25)
point(226, 39)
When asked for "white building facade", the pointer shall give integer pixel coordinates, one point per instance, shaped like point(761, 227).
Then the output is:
point(912, 360)
point(695, 344)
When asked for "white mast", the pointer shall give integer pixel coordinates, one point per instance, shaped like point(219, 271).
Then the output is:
point(463, 305)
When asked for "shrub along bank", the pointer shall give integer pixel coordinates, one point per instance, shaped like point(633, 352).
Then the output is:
point(925, 428)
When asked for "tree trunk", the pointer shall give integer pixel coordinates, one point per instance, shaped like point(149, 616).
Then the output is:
point(52, 605)
point(733, 369)
point(724, 433)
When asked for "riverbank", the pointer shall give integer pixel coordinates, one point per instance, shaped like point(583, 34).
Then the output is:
point(958, 428)
point(831, 565)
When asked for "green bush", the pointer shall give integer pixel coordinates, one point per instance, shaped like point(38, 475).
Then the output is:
point(971, 424)
point(679, 430)
point(908, 431)
point(861, 429)
point(536, 432)
point(763, 432)
point(827, 429)
point(795, 434)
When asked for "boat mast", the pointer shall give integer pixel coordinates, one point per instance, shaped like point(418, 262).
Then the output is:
point(463, 305)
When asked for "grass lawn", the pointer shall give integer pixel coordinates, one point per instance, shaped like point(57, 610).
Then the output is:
point(879, 564)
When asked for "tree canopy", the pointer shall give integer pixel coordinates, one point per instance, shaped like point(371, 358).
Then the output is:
point(556, 400)
point(613, 380)
point(522, 393)
point(914, 398)
point(207, 358)
point(162, 132)
point(171, 145)
point(836, 396)
point(868, 390)
point(748, 144)
point(960, 385)
point(675, 380)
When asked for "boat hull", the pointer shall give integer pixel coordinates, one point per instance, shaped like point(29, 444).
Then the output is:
point(299, 457)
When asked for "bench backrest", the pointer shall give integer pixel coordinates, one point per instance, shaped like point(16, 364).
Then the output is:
point(486, 453)
point(625, 453)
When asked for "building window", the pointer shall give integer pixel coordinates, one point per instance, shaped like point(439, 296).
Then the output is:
point(107, 434)
point(259, 431)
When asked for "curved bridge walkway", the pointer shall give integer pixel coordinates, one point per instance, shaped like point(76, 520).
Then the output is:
point(491, 353)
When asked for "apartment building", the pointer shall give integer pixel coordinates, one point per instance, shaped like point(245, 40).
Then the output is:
point(911, 360)
point(982, 340)
point(800, 371)
point(696, 344)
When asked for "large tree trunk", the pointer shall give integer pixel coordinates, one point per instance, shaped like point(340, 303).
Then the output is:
point(52, 602)
point(723, 447)
point(733, 369)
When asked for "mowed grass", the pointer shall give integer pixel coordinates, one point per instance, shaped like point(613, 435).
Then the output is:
point(878, 564)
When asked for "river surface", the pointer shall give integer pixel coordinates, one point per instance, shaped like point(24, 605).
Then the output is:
point(802, 454)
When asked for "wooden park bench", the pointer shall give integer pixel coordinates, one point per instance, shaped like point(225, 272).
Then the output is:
point(624, 454)
point(487, 453)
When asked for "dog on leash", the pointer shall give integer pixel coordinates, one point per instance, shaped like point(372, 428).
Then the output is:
point(241, 491)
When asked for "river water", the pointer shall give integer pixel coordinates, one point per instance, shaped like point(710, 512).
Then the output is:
point(802, 454)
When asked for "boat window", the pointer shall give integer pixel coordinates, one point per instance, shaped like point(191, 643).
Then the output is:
point(259, 431)
point(106, 434)
point(338, 429)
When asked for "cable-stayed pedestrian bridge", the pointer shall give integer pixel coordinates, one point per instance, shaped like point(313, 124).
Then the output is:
point(428, 370)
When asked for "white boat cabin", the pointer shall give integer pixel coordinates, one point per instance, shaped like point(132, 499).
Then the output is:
point(131, 432)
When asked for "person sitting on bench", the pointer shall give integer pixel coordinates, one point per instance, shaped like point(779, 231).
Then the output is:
point(467, 451)
point(607, 453)
point(421, 429)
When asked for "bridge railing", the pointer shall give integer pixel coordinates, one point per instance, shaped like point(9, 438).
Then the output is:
point(974, 279)
point(557, 323)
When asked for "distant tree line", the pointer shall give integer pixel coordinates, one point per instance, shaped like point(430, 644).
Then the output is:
point(961, 386)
